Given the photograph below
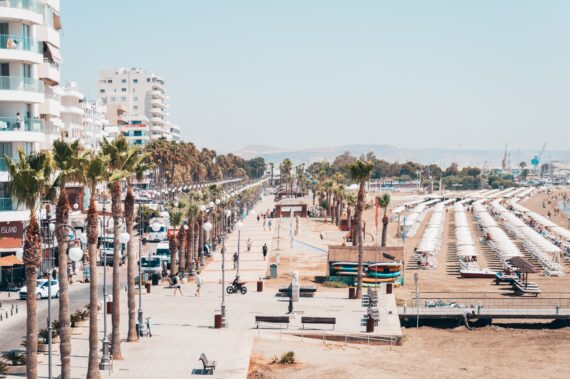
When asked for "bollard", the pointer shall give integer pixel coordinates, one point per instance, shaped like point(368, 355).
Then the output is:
point(369, 325)
point(389, 288)
point(147, 286)
point(217, 321)
point(260, 286)
point(351, 293)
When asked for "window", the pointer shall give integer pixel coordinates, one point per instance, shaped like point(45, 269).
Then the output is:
point(135, 80)
point(123, 98)
point(123, 90)
point(148, 80)
point(123, 80)
point(101, 91)
point(135, 98)
point(109, 81)
point(136, 107)
point(113, 99)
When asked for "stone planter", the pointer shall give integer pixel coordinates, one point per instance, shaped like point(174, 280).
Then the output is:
point(43, 347)
point(82, 323)
point(16, 370)
point(75, 331)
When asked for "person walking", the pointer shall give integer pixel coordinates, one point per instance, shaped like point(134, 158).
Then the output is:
point(269, 224)
point(258, 218)
point(176, 284)
point(264, 251)
point(264, 223)
point(198, 280)
point(249, 244)
point(235, 259)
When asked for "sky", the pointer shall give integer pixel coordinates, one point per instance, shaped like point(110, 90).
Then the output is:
point(316, 73)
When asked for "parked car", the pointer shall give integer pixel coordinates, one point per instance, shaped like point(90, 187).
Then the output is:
point(42, 289)
point(107, 250)
point(151, 266)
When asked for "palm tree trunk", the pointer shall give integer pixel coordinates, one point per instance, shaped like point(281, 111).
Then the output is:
point(358, 224)
point(349, 219)
point(116, 316)
point(384, 228)
point(181, 248)
point(92, 236)
point(200, 237)
point(188, 249)
point(62, 218)
point(32, 258)
point(132, 335)
point(172, 245)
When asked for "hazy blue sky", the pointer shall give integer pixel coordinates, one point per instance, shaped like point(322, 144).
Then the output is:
point(306, 73)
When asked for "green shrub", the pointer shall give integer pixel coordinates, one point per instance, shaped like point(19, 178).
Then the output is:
point(287, 358)
point(44, 333)
point(82, 314)
point(14, 358)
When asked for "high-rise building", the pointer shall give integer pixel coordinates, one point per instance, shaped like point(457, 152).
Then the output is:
point(29, 109)
point(136, 101)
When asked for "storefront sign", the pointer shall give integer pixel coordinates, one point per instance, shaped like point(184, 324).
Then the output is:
point(14, 229)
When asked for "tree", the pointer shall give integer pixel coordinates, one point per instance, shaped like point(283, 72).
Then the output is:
point(29, 182)
point(175, 220)
point(360, 171)
point(119, 158)
point(93, 171)
point(65, 156)
point(384, 202)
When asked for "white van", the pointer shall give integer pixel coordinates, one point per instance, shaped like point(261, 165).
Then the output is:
point(159, 235)
point(163, 252)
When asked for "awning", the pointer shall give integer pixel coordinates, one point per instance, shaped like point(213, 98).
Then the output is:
point(10, 243)
point(10, 260)
point(52, 53)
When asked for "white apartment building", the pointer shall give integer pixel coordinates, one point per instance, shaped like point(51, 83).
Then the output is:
point(175, 132)
point(29, 108)
point(136, 101)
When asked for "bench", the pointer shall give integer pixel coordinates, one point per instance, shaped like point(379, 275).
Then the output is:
point(271, 320)
point(522, 289)
point(318, 320)
point(307, 291)
point(209, 367)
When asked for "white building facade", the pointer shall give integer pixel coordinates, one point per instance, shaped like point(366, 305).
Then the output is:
point(29, 106)
point(137, 103)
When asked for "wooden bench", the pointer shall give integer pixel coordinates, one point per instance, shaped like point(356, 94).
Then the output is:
point(318, 320)
point(271, 320)
point(209, 367)
point(307, 291)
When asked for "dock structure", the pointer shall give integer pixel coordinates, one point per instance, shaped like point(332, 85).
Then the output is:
point(468, 307)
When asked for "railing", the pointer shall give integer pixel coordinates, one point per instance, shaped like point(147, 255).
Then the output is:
point(13, 42)
point(17, 83)
point(11, 124)
point(6, 203)
point(52, 63)
point(32, 5)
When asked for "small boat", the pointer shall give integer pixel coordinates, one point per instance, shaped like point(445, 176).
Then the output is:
point(346, 273)
point(378, 280)
point(384, 269)
point(477, 273)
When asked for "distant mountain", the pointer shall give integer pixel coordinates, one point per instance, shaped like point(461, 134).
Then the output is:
point(442, 157)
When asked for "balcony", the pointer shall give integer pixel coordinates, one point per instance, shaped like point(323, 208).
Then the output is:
point(51, 106)
point(14, 88)
point(19, 48)
point(18, 10)
point(11, 124)
point(48, 34)
point(158, 120)
point(50, 72)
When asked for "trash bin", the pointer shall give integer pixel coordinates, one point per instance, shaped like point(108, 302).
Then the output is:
point(351, 293)
point(389, 288)
point(218, 321)
point(147, 286)
point(369, 325)
point(109, 307)
point(273, 271)
point(260, 286)
point(155, 279)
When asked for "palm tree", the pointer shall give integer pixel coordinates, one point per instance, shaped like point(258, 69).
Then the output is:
point(175, 219)
point(136, 166)
point(65, 156)
point(360, 171)
point(119, 158)
point(350, 204)
point(94, 171)
point(384, 202)
point(192, 213)
point(29, 182)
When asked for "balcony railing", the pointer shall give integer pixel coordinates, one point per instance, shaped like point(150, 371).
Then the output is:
point(18, 83)
point(13, 42)
point(6, 203)
point(32, 5)
point(24, 124)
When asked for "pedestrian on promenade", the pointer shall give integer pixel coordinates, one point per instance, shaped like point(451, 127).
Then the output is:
point(198, 279)
point(176, 284)
point(235, 259)
point(264, 223)
point(269, 224)
point(249, 244)
point(264, 250)
point(258, 218)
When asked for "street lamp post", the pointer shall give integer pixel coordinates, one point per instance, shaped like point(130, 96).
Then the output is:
point(142, 241)
point(201, 248)
point(239, 226)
